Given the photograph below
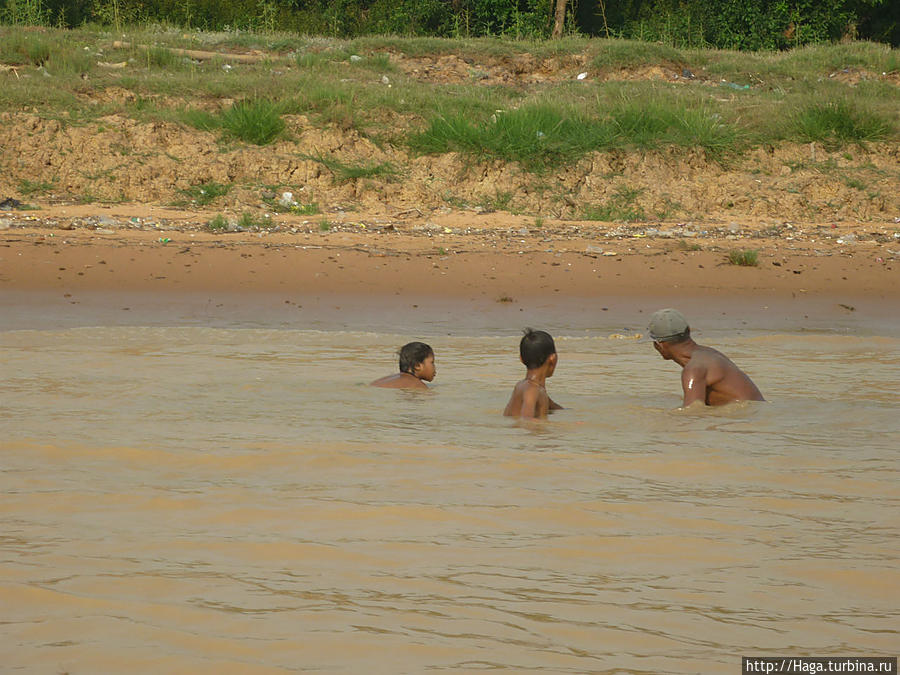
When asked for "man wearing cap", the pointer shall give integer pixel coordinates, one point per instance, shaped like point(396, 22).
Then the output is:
point(708, 375)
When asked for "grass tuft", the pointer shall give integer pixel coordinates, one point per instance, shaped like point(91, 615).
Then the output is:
point(838, 123)
point(255, 121)
point(747, 258)
point(27, 187)
point(541, 136)
point(206, 193)
point(219, 223)
point(344, 173)
point(620, 207)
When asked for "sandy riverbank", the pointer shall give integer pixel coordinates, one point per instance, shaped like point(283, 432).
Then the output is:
point(459, 255)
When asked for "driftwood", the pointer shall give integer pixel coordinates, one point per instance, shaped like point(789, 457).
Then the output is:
point(198, 54)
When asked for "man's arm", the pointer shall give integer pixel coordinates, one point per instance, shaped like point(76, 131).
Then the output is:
point(693, 382)
point(553, 405)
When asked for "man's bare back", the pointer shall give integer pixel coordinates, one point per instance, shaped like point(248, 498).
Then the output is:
point(707, 374)
point(712, 377)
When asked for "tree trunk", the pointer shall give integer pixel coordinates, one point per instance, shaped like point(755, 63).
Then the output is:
point(559, 20)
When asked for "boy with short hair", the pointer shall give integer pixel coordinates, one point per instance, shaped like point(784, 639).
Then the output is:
point(416, 365)
point(529, 397)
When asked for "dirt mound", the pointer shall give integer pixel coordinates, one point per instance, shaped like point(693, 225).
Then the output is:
point(119, 159)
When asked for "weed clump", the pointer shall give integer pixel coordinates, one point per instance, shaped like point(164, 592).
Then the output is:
point(206, 193)
point(541, 137)
point(838, 123)
point(219, 223)
point(745, 258)
point(344, 173)
point(256, 121)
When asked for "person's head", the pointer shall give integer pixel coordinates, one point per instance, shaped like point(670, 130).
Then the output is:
point(536, 349)
point(417, 359)
point(668, 328)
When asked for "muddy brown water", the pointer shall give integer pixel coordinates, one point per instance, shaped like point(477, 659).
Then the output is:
point(201, 489)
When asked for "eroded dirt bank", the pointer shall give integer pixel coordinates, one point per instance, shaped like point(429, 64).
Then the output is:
point(121, 160)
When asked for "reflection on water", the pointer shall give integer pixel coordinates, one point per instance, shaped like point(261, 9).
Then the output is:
point(187, 499)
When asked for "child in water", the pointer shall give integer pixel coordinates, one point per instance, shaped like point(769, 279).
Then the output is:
point(529, 398)
point(416, 365)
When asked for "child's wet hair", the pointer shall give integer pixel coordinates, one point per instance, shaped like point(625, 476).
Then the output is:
point(536, 347)
point(412, 354)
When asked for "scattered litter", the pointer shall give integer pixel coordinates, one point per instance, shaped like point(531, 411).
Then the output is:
point(686, 74)
point(610, 253)
point(732, 85)
point(10, 204)
point(355, 59)
point(226, 67)
point(581, 76)
point(164, 240)
point(287, 199)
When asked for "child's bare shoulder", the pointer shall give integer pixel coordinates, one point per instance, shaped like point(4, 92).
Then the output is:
point(399, 381)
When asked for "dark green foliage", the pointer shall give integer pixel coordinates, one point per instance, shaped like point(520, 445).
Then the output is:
point(733, 24)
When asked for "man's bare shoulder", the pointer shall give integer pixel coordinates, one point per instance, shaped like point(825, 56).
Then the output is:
point(399, 381)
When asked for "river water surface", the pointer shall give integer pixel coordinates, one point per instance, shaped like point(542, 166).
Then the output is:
point(229, 496)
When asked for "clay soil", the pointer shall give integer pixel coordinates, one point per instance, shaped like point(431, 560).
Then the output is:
point(118, 215)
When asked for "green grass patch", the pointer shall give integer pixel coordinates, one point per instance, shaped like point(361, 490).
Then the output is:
point(537, 136)
point(20, 48)
point(218, 223)
point(630, 53)
point(744, 258)
point(206, 193)
point(620, 207)
point(163, 58)
point(838, 123)
point(255, 121)
point(249, 221)
point(344, 173)
point(541, 136)
point(27, 187)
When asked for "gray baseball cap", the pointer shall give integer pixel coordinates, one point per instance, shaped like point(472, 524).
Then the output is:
point(666, 325)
